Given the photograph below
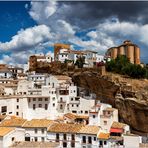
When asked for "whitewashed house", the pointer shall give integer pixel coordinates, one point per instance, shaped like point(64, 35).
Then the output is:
point(36, 129)
point(10, 135)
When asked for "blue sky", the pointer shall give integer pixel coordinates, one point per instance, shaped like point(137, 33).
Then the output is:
point(33, 27)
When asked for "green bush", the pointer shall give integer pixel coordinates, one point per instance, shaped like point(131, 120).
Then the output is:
point(122, 65)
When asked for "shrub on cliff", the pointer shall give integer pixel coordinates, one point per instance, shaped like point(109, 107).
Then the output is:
point(122, 65)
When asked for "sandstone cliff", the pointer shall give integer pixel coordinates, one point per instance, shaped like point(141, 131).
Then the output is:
point(132, 105)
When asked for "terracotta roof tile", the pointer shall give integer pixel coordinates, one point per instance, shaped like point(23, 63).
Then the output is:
point(102, 135)
point(73, 128)
point(64, 128)
point(5, 130)
point(14, 122)
point(75, 116)
point(37, 123)
point(89, 129)
point(118, 125)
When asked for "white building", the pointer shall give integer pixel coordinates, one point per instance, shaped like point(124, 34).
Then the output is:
point(62, 55)
point(10, 135)
point(36, 129)
point(130, 140)
point(73, 135)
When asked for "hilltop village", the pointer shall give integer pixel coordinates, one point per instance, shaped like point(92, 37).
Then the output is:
point(42, 109)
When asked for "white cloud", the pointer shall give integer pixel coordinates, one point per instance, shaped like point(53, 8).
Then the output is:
point(27, 39)
point(41, 11)
point(92, 34)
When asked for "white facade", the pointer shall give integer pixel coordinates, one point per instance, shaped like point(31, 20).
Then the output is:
point(131, 141)
point(14, 135)
point(99, 58)
point(63, 55)
point(5, 74)
point(36, 134)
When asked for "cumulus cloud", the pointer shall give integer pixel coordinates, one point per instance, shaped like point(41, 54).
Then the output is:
point(41, 11)
point(27, 39)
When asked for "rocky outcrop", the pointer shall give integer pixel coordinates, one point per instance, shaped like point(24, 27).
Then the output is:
point(132, 110)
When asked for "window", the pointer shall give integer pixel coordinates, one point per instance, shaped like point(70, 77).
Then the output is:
point(12, 139)
point(53, 104)
point(17, 100)
point(40, 99)
point(105, 142)
point(29, 100)
point(101, 143)
point(94, 138)
point(17, 107)
point(77, 105)
point(46, 99)
point(35, 139)
point(34, 99)
point(35, 130)
point(64, 136)
point(86, 112)
point(34, 107)
point(74, 111)
point(74, 91)
point(81, 111)
point(72, 144)
point(84, 139)
point(71, 99)
point(46, 106)
point(42, 139)
point(53, 98)
point(42, 131)
point(61, 106)
point(3, 109)
point(105, 122)
point(94, 116)
point(72, 137)
point(40, 105)
point(17, 113)
point(89, 140)
point(57, 137)
point(72, 105)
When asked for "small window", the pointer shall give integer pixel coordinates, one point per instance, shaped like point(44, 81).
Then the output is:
point(72, 105)
point(40, 99)
point(61, 106)
point(46, 106)
point(105, 122)
point(42, 139)
point(46, 99)
point(35, 139)
point(86, 112)
point(71, 99)
point(34, 107)
point(12, 139)
point(17, 107)
point(94, 138)
point(17, 113)
point(34, 99)
point(105, 142)
point(53, 104)
point(40, 105)
point(42, 131)
point(35, 130)
point(53, 98)
point(17, 100)
point(29, 100)
point(94, 116)
point(77, 105)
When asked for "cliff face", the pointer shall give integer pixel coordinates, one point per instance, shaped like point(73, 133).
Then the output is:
point(132, 110)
